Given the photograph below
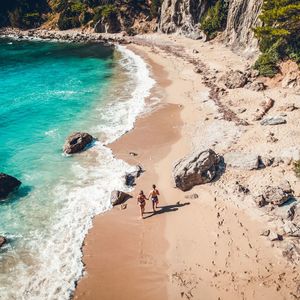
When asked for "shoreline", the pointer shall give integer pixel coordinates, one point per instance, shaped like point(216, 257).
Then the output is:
point(206, 242)
point(175, 262)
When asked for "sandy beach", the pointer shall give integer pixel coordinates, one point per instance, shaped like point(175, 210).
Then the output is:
point(205, 243)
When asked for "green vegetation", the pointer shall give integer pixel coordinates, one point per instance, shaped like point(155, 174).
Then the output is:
point(155, 7)
point(22, 13)
point(279, 36)
point(215, 19)
point(297, 168)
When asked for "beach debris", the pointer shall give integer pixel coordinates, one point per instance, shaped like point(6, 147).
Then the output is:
point(77, 142)
point(131, 177)
point(276, 120)
point(133, 154)
point(271, 137)
point(2, 241)
point(288, 107)
point(265, 232)
point(241, 188)
point(123, 206)
point(265, 106)
point(118, 197)
point(198, 69)
point(8, 184)
point(256, 86)
point(240, 160)
point(267, 160)
point(234, 79)
point(195, 169)
point(241, 110)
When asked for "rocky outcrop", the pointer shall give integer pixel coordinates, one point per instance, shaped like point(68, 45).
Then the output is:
point(182, 16)
point(234, 79)
point(195, 169)
point(276, 195)
point(109, 24)
point(76, 142)
point(2, 241)
point(7, 185)
point(132, 176)
point(118, 197)
point(242, 17)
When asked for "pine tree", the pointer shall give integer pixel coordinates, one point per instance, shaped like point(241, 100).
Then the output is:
point(279, 36)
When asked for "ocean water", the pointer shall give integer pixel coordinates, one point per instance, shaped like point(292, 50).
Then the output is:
point(47, 91)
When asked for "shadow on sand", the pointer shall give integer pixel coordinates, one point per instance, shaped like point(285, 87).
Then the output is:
point(166, 209)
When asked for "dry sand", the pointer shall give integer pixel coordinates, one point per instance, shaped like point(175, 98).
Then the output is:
point(202, 248)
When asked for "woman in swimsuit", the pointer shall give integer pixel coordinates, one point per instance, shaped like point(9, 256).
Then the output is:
point(141, 201)
point(154, 193)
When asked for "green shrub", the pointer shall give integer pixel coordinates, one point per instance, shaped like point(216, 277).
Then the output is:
point(215, 19)
point(279, 32)
point(297, 168)
point(108, 10)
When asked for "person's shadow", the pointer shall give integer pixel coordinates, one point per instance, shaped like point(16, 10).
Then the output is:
point(166, 209)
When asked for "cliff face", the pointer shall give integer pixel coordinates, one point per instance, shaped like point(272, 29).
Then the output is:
point(242, 17)
point(183, 16)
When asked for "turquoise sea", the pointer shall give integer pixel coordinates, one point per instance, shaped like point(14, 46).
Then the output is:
point(47, 91)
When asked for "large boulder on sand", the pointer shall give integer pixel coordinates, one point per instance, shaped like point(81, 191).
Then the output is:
point(2, 241)
point(8, 184)
point(234, 79)
point(118, 197)
point(195, 169)
point(76, 142)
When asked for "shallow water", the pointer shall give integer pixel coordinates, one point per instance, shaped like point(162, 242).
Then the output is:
point(47, 91)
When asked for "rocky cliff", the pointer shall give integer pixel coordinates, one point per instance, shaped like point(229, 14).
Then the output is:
point(242, 17)
point(184, 17)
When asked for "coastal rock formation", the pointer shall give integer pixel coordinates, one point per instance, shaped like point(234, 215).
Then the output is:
point(108, 24)
point(182, 17)
point(239, 160)
point(195, 169)
point(7, 185)
point(118, 197)
point(2, 241)
point(276, 195)
point(76, 142)
point(131, 177)
point(242, 17)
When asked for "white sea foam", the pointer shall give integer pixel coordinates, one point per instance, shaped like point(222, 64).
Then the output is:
point(58, 257)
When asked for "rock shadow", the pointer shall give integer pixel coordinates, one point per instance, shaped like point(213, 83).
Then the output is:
point(166, 209)
point(221, 168)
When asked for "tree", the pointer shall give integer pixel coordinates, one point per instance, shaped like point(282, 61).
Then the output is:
point(279, 35)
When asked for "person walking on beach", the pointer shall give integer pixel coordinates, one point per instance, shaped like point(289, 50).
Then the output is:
point(141, 201)
point(153, 195)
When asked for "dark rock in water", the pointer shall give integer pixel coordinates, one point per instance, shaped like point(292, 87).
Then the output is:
point(76, 142)
point(118, 197)
point(198, 168)
point(2, 241)
point(8, 184)
point(131, 177)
